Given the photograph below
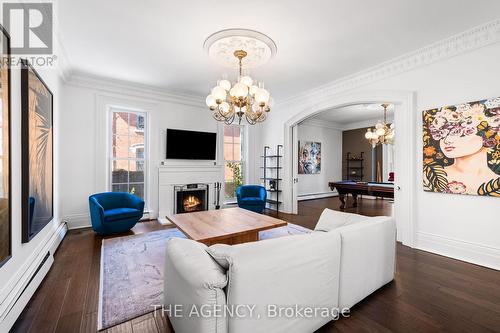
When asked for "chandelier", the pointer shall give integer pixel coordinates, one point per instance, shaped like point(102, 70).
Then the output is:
point(383, 133)
point(245, 98)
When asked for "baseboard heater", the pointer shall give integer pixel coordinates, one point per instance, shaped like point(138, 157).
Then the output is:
point(44, 260)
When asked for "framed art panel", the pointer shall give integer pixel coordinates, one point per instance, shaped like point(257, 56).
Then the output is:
point(5, 175)
point(37, 153)
point(461, 148)
point(309, 157)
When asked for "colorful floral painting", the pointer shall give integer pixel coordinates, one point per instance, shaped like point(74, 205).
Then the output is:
point(309, 157)
point(461, 148)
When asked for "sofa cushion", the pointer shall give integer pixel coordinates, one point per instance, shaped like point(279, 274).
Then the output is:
point(297, 270)
point(332, 219)
point(193, 279)
point(120, 213)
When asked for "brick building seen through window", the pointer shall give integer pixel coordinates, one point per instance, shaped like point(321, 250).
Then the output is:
point(128, 152)
point(234, 162)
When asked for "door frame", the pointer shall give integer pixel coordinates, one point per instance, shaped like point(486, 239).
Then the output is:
point(405, 151)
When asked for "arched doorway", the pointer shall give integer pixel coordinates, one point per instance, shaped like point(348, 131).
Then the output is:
point(405, 152)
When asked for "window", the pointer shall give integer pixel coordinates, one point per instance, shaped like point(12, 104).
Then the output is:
point(233, 160)
point(140, 123)
point(128, 152)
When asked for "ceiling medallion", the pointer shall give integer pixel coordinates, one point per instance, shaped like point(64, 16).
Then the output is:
point(383, 133)
point(244, 98)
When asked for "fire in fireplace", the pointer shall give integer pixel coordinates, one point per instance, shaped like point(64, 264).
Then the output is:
point(191, 203)
point(190, 198)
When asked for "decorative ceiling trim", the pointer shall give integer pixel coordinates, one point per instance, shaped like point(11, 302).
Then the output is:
point(472, 39)
point(137, 90)
point(322, 123)
point(342, 127)
point(222, 45)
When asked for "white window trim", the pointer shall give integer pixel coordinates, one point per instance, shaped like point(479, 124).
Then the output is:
point(110, 158)
point(103, 103)
point(244, 160)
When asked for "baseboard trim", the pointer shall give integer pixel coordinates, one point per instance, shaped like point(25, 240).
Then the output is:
point(77, 221)
point(317, 196)
point(458, 249)
point(164, 221)
point(25, 282)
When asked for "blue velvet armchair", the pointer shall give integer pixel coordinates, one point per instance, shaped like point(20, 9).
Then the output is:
point(114, 212)
point(251, 197)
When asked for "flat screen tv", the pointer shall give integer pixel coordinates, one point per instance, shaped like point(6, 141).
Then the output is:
point(191, 145)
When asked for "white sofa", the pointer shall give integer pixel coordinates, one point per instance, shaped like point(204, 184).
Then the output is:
point(345, 259)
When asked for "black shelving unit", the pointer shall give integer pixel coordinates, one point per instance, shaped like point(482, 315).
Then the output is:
point(354, 167)
point(271, 175)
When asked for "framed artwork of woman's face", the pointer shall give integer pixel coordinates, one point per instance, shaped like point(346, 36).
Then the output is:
point(461, 148)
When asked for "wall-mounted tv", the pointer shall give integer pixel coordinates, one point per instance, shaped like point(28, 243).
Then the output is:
point(191, 145)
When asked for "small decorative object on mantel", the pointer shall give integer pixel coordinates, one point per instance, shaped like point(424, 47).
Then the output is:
point(309, 157)
point(467, 135)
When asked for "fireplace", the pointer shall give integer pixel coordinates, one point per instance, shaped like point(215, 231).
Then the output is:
point(190, 198)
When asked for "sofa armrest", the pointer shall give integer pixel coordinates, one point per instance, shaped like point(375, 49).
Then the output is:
point(193, 278)
point(331, 219)
point(367, 258)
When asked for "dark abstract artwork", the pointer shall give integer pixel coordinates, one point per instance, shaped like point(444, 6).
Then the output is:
point(309, 157)
point(37, 159)
point(5, 182)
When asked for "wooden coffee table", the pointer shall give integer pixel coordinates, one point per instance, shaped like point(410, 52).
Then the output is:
point(224, 226)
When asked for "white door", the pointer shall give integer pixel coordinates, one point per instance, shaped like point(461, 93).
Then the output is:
point(295, 169)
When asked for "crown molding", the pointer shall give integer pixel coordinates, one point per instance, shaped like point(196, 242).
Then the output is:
point(342, 127)
point(138, 90)
point(322, 123)
point(472, 39)
point(365, 123)
point(62, 59)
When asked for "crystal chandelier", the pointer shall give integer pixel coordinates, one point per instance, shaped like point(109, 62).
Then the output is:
point(383, 133)
point(243, 99)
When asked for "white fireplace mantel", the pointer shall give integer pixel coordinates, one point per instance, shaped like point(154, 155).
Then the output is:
point(174, 175)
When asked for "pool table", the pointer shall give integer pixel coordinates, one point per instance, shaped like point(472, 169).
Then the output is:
point(384, 190)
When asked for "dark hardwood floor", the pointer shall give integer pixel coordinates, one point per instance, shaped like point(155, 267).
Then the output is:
point(310, 210)
point(429, 294)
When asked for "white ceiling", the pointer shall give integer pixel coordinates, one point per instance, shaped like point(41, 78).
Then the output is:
point(355, 113)
point(160, 43)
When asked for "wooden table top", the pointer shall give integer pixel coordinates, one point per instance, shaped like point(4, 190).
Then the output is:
point(213, 225)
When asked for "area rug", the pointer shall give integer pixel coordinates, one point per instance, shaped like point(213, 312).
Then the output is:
point(132, 272)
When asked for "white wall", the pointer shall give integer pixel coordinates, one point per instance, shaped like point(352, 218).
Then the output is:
point(331, 159)
point(464, 227)
point(16, 273)
point(442, 218)
point(83, 127)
